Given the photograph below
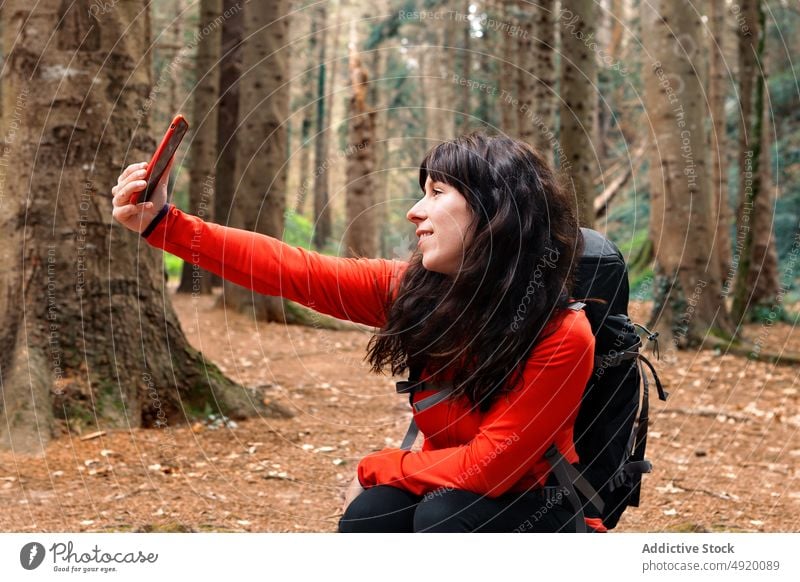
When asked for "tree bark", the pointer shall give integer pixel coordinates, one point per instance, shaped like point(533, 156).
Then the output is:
point(751, 85)
point(228, 113)
point(261, 154)
point(323, 224)
point(361, 238)
point(764, 274)
point(465, 119)
point(687, 286)
point(308, 108)
point(717, 85)
point(527, 71)
point(508, 73)
point(83, 296)
point(203, 156)
point(579, 102)
point(544, 95)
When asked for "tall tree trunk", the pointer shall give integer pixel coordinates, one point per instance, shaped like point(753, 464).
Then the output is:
point(307, 123)
point(578, 105)
point(465, 119)
point(763, 275)
point(379, 95)
point(751, 95)
point(323, 224)
point(687, 280)
point(437, 82)
point(179, 54)
point(544, 95)
point(447, 64)
point(228, 112)
point(617, 18)
point(508, 72)
point(203, 157)
point(361, 237)
point(262, 142)
point(527, 71)
point(719, 151)
point(83, 296)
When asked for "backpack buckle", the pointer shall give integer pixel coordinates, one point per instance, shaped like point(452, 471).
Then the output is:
point(652, 336)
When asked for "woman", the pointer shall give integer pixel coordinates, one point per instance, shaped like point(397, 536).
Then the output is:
point(481, 304)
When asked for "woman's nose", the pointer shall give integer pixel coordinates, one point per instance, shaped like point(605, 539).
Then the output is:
point(417, 212)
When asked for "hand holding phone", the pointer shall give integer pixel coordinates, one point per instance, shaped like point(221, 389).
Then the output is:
point(156, 167)
point(150, 177)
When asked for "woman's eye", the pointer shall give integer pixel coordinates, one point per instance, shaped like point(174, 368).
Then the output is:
point(438, 192)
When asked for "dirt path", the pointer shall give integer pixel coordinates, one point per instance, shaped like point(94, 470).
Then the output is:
point(725, 446)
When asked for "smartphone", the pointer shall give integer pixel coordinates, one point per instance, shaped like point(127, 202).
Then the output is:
point(164, 153)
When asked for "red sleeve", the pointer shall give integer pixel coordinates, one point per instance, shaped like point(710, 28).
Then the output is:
point(513, 435)
point(353, 289)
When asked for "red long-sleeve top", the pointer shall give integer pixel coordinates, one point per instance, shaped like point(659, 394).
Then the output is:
point(491, 453)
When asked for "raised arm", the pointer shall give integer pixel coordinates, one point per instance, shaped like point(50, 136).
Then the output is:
point(353, 289)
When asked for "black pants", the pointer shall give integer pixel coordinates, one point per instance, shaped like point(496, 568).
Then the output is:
point(384, 508)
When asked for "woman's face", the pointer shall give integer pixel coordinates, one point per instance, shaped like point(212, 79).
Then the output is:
point(442, 218)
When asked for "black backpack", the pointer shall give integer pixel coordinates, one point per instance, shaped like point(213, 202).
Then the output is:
point(609, 438)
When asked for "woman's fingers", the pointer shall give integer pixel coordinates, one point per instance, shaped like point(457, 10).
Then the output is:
point(136, 174)
point(123, 195)
point(124, 213)
point(130, 169)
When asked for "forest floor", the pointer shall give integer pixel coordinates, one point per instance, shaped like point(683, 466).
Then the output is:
point(725, 447)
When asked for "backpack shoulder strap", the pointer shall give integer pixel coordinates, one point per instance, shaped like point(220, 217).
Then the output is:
point(569, 478)
point(410, 387)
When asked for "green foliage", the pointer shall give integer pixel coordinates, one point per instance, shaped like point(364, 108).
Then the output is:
point(174, 266)
point(767, 314)
point(298, 230)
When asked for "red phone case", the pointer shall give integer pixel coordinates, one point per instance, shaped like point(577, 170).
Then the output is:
point(161, 158)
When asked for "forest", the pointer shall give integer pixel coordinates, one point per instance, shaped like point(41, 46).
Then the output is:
point(141, 392)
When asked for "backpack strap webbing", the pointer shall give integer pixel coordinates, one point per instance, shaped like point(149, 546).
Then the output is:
point(569, 479)
point(411, 387)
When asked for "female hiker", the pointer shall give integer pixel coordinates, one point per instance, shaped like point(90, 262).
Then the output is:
point(481, 307)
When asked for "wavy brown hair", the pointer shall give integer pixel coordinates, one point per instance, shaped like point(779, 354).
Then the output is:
point(517, 273)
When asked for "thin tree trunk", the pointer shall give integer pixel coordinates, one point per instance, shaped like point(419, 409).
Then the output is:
point(380, 179)
point(262, 142)
point(203, 157)
point(617, 17)
point(448, 90)
point(465, 119)
point(307, 123)
point(751, 82)
point(544, 95)
point(719, 168)
point(88, 334)
point(578, 93)
point(361, 237)
point(527, 71)
point(687, 280)
point(323, 227)
point(508, 73)
point(764, 275)
point(178, 55)
point(228, 112)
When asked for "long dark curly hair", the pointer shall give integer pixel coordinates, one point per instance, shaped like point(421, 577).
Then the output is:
point(517, 273)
